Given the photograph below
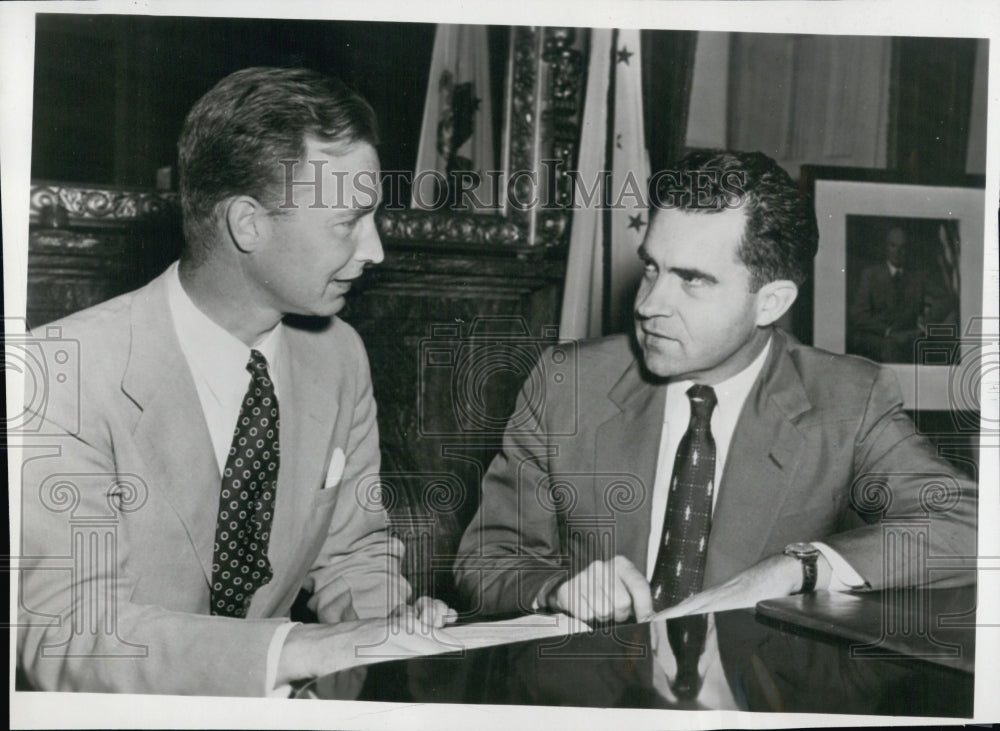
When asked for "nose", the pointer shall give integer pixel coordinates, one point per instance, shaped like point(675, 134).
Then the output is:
point(369, 248)
point(655, 299)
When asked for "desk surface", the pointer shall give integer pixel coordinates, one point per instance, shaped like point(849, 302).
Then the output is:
point(776, 663)
point(936, 626)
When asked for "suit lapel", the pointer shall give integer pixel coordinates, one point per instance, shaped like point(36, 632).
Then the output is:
point(763, 457)
point(174, 442)
point(628, 444)
point(170, 432)
point(308, 407)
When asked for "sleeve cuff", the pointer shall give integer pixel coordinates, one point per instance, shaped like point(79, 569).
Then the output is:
point(273, 657)
point(843, 576)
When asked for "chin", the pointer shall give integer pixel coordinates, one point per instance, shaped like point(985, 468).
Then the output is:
point(659, 364)
point(333, 309)
point(323, 309)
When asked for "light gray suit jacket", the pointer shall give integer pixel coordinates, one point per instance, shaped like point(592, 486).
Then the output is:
point(822, 450)
point(120, 497)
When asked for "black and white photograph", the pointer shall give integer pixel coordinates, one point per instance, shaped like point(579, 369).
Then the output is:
point(902, 283)
point(906, 261)
point(373, 365)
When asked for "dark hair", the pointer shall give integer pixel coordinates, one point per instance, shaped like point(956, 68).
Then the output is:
point(236, 134)
point(780, 238)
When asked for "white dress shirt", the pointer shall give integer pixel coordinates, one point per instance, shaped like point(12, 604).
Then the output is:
point(218, 363)
point(730, 396)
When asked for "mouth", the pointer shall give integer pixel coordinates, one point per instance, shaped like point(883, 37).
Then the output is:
point(656, 335)
point(346, 281)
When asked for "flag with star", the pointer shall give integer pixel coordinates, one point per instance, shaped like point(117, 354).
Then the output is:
point(456, 137)
point(603, 269)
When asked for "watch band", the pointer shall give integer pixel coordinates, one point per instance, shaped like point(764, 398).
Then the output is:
point(807, 554)
point(809, 573)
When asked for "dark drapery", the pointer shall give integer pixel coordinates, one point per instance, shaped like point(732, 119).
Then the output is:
point(930, 105)
point(667, 68)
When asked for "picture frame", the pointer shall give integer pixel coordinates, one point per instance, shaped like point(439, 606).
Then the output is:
point(855, 215)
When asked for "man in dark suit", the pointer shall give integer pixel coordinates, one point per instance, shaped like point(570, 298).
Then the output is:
point(605, 506)
point(214, 459)
point(894, 303)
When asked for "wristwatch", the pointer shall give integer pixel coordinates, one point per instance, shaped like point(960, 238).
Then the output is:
point(807, 554)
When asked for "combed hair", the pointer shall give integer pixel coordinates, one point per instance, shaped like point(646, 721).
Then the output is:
point(235, 136)
point(780, 239)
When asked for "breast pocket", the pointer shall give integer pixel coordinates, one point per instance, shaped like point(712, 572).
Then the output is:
point(334, 475)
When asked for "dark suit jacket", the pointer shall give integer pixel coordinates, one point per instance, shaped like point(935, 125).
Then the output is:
point(821, 451)
point(874, 309)
point(123, 454)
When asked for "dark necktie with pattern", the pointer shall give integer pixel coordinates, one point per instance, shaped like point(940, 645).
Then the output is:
point(899, 303)
point(246, 501)
point(680, 562)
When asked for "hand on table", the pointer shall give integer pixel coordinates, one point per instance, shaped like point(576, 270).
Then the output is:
point(604, 590)
point(314, 650)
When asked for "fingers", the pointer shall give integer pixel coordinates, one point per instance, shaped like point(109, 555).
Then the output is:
point(424, 608)
point(606, 590)
point(349, 615)
point(640, 598)
point(434, 612)
point(403, 618)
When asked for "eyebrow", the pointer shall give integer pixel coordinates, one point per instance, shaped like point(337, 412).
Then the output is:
point(682, 272)
point(356, 211)
point(687, 273)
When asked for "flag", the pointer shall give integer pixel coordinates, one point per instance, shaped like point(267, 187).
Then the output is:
point(456, 136)
point(603, 266)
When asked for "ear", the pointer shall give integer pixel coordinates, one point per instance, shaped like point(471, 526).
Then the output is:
point(247, 222)
point(774, 299)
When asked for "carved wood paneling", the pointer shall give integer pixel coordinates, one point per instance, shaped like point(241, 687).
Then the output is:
point(71, 269)
point(441, 426)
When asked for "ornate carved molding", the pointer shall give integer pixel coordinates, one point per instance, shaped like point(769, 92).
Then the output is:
point(561, 120)
point(450, 228)
point(541, 133)
point(54, 205)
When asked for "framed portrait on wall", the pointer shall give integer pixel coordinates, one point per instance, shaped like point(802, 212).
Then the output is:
point(898, 280)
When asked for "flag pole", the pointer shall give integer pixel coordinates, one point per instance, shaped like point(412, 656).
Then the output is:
point(607, 178)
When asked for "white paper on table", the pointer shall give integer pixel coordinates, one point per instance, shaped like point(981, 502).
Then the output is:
point(452, 638)
point(519, 629)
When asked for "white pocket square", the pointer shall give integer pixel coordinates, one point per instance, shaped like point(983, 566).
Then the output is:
point(336, 471)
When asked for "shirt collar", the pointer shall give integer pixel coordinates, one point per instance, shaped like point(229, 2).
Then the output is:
point(214, 353)
point(732, 392)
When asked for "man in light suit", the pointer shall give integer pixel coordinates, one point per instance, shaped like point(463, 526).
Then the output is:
point(809, 447)
point(183, 380)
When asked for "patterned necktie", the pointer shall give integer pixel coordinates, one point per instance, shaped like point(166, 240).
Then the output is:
point(246, 501)
point(899, 305)
point(680, 562)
